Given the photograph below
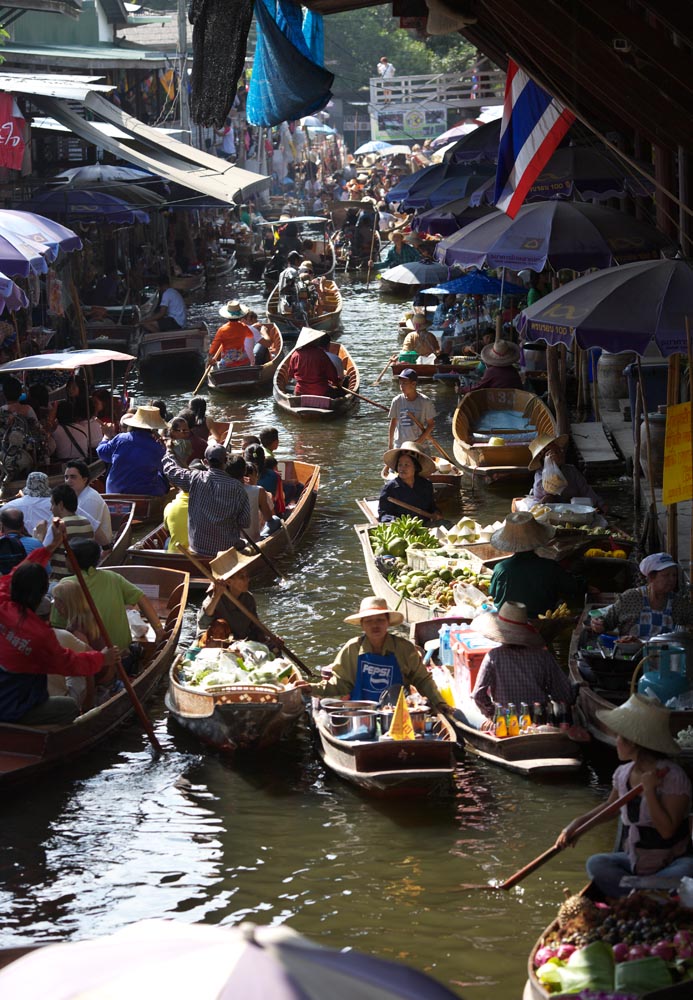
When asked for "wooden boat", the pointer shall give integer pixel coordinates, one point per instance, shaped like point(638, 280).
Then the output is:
point(188, 283)
point(315, 245)
point(249, 378)
point(392, 768)
point(27, 752)
point(473, 425)
point(445, 373)
point(235, 717)
point(220, 267)
point(185, 347)
point(148, 510)
point(151, 550)
point(318, 407)
point(328, 319)
point(122, 516)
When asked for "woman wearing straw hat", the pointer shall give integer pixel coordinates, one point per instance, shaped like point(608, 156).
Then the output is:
point(135, 455)
point(570, 482)
point(310, 368)
point(520, 669)
point(411, 484)
point(538, 583)
point(420, 340)
point(657, 837)
point(500, 359)
point(368, 665)
point(218, 607)
point(233, 338)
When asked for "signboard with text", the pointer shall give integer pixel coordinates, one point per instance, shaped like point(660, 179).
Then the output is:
point(406, 122)
point(678, 463)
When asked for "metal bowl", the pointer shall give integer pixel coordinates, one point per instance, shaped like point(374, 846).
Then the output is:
point(356, 725)
point(344, 705)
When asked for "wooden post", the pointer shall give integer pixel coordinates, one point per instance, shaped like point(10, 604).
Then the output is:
point(554, 386)
point(637, 445)
point(673, 376)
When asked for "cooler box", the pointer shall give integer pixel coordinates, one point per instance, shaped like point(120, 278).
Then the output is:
point(469, 648)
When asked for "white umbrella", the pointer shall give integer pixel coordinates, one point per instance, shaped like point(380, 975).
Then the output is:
point(394, 150)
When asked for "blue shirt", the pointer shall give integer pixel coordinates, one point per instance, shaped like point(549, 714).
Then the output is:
point(135, 463)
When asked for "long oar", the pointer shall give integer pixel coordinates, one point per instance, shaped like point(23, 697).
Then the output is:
point(206, 572)
point(389, 361)
point(207, 371)
point(414, 510)
point(605, 813)
point(365, 399)
point(376, 226)
point(273, 566)
point(438, 447)
point(144, 718)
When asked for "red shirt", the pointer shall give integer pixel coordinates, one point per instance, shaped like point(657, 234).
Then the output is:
point(497, 377)
point(312, 370)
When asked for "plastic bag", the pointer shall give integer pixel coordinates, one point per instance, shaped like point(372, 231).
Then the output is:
point(553, 480)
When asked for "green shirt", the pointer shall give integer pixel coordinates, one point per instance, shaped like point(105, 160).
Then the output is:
point(112, 594)
point(539, 583)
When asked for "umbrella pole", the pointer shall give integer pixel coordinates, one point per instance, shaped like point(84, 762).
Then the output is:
point(689, 345)
point(595, 388)
point(673, 376)
point(637, 447)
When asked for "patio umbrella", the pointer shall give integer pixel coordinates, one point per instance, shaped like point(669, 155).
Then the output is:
point(456, 132)
point(394, 151)
point(12, 297)
point(177, 960)
point(416, 272)
point(477, 283)
point(29, 242)
point(479, 146)
point(449, 218)
point(100, 173)
point(428, 179)
point(563, 234)
point(458, 185)
point(85, 205)
point(374, 146)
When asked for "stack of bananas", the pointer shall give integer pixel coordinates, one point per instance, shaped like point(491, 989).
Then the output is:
point(562, 611)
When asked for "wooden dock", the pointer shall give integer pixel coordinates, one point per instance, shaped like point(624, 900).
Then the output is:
point(594, 449)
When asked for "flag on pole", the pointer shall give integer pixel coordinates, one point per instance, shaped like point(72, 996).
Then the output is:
point(533, 125)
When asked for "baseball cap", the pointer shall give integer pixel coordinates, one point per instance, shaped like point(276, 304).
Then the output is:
point(657, 562)
point(408, 373)
point(216, 453)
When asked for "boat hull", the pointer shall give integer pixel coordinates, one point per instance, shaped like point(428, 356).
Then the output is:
point(177, 346)
point(329, 319)
point(318, 407)
point(249, 379)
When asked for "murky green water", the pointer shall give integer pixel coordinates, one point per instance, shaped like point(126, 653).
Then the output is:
point(121, 836)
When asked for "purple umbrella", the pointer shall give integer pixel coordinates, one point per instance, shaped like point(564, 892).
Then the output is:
point(12, 297)
point(29, 243)
point(563, 234)
point(85, 205)
point(620, 309)
point(449, 218)
point(479, 146)
point(457, 186)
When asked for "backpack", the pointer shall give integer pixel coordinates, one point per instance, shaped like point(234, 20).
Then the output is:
point(11, 553)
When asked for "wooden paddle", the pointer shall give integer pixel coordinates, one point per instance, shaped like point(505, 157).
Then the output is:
point(387, 365)
point(609, 810)
point(207, 371)
point(137, 704)
point(273, 566)
point(414, 510)
point(366, 399)
point(224, 587)
point(439, 448)
point(376, 226)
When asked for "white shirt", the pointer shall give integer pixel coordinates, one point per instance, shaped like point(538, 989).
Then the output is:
point(34, 509)
point(386, 70)
point(92, 505)
point(173, 302)
point(84, 432)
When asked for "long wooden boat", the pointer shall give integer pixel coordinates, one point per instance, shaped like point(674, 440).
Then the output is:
point(220, 267)
point(392, 768)
point(444, 373)
point(188, 283)
point(235, 717)
point(185, 347)
point(328, 319)
point(148, 510)
point(27, 752)
point(122, 517)
point(151, 550)
point(249, 378)
point(471, 445)
point(318, 407)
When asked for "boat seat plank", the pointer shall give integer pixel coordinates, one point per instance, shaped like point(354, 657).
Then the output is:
point(592, 445)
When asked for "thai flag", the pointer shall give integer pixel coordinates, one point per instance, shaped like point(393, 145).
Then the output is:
point(533, 125)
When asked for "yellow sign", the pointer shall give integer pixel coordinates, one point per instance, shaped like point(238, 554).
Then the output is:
point(678, 464)
point(401, 727)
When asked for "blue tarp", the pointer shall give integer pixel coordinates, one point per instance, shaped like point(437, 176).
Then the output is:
point(314, 34)
point(286, 84)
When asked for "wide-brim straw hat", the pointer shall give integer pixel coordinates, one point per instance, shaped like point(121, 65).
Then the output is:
point(643, 721)
point(372, 606)
point(391, 457)
point(306, 265)
point(233, 310)
point(509, 625)
point(146, 418)
point(308, 336)
point(417, 321)
point(538, 446)
point(228, 563)
point(500, 354)
point(520, 532)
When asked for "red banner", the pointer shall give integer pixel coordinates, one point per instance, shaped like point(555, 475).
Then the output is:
point(11, 134)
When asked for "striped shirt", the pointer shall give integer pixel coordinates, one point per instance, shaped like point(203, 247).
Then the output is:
point(76, 526)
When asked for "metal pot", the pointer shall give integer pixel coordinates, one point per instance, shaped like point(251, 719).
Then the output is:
point(356, 725)
point(344, 705)
point(418, 718)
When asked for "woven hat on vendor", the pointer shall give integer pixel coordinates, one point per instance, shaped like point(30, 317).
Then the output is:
point(306, 265)
point(411, 448)
point(370, 608)
point(509, 625)
point(227, 564)
point(417, 321)
point(643, 721)
point(36, 485)
point(308, 336)
point(145, 418)
point(538, 447)
point(520, 532)
point(500, 354)
point(233, 310)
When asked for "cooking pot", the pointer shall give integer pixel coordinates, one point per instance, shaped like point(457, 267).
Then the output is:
point(418, 718)
point(343, 704)
point(359, 724)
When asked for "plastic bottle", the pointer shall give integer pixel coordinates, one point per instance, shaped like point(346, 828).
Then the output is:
point(513, 723)
point(525, 718)
point(563, 716)
point(446, 657)
point(500, 726)
point(539, 714)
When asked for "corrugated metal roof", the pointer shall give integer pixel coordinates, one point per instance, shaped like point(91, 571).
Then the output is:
point(72, 8)
point(69, 88)
point(51, 125)
point(84, 55)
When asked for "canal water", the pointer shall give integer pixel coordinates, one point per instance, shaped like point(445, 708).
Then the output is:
point(121, 836)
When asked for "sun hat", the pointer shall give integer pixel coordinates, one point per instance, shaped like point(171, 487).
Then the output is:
point(216, 453)
point(37, 485)
point(146, 418)
point(643, 721)
point(227, 564)
point(539, 445)
point(408, 373)
point(306, 265)
point(233, 310)
point(500, 354)
point(416, 321)
point(509, 625)
point(520, 532)
point(308, 336)
point(372, 606)
point(391, 457)
point(656, 563)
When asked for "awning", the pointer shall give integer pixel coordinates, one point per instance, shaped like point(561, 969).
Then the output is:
point(70, 87)
point(66, 361)
point(146, 147)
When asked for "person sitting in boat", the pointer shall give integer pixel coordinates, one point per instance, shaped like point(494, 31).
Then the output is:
point(374, 661)
point(268, 476)
point(288, 291)
point(525, 577)
point(180, 438)
point(411, 487)
point(500, 359)
point(552, 487)
point(171, 314)
point(261, 340)
point(520, 669)
point(89, 501)
point(308, 288)
point(410, 411)
point(75, 435)
point(29, 649)
point(261, 507)
point(176, 521)
point(64, 506)
point(398, 253)
point(309, 367)
point(106, 408)
point(217, 606)
point(656, 833)
point(12, 526)
point(81, 633)
point(656, 608)
point(134, 456)
point(34, 500)
point(204, 430)
point(420, 340)
point(233, 338)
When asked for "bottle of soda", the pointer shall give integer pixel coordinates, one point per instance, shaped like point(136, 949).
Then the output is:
point(539, 714)
point(525, 718)
point(553, 712)
point(500, 726)
point(563, 716)
point(513, 723)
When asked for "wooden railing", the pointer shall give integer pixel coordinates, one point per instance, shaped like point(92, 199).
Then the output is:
point(453, 90)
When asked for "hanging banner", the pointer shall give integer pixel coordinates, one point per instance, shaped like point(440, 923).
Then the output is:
point(678, 464)
point(11, 133)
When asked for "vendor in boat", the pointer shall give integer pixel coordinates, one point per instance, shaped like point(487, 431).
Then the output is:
point(520, 669)
point(500, 359)
point(559, 485)
point(371, 663)
point(411, 486)
point(653, 609)
point(134, 456)
point(310, 368)
point(29, 649)
point(538, 583)
point(233, 338)
point(218, 606)
point(656, 833)
point(171, 314)
point(420, 340)
point(398, 253)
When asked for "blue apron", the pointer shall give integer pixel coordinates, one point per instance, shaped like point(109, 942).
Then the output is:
point(374, 675)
